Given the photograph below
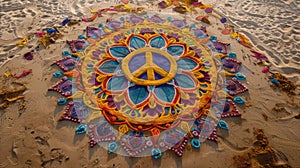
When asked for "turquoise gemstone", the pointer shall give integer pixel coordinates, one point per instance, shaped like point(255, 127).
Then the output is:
point(112, 147)
point(66, 53)
point(195, 143)
point(61, 101)
point(81, 37)
point(156, 153)
point(100, 25)
point(239, 100)
point(222, 124)
point(213, 38)
point(274, 81)
point(81, 129)
point(240, 76)
point(232, 55)
point(58, 74)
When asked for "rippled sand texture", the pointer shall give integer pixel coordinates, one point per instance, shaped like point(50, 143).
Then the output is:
point(272, 25)
point(36, 136)
point(22, 18)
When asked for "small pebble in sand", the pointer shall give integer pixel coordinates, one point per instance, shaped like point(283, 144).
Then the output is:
point(223, 20)
point(162, 4)
point(40, 34)
point(52, 40)
point(81, 37)
point(100, 25)
point(23, 42)
point(232, 55)
point(265, 69)
point(213, 38)
point(208, 10)
point(28, 56)
point(65, 21)
point(125, 1)
point(226, 31)
point(51, 31)
point(274, 81)
point(66, 53)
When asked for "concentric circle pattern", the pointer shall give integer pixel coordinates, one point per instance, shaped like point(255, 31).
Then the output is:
point(148, 84)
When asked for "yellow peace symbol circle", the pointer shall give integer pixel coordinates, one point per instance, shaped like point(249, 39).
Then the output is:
point(150, 68)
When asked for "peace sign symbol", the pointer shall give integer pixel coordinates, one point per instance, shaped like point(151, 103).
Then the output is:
point(149, 66)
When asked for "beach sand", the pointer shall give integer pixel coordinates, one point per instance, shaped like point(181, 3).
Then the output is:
point(33, 137)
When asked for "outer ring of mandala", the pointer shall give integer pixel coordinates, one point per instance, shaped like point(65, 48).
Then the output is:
point(91, 100)
point(134, 78)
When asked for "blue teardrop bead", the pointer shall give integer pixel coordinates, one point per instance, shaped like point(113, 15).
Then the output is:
point(222, 124)
point(195, 143)
point(156, 153)
point(81, 129)
point(239, 100)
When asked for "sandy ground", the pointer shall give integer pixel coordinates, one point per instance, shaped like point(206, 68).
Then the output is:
point(33, 136)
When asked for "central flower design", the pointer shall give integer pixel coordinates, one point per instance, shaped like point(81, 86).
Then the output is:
point(147, 63)
point(149, 78)
point(149, 66)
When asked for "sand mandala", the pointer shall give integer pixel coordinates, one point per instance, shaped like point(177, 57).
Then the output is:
point(141, 85)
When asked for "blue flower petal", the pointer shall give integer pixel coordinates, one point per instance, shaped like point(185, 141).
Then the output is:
point(137, 42)
point(165, 93)
point(186, 64)
point(119, 51)
point(158, 42)
point(108, 67)
point(117, 83)
point(184, 81)
point(138, 94)
point(176, 50)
